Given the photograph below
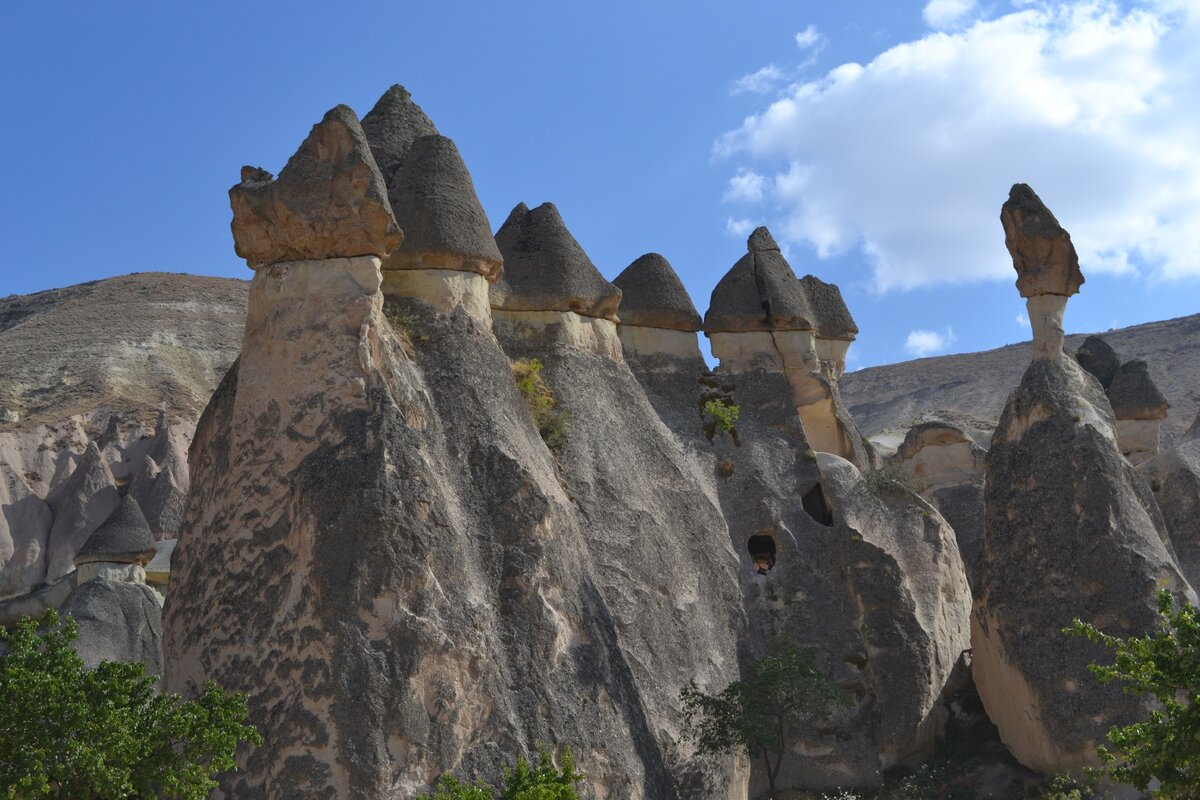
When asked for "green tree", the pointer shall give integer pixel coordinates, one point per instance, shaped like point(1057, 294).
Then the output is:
point(106, 733)
point(546, 781)
point(1164, 664)
point(762, 714)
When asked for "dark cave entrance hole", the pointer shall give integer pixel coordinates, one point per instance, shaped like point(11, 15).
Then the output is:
point(817, 505)
point(762, 552)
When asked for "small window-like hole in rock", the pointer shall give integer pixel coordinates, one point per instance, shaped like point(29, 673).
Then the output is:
point(817, 505)
point(762, 552)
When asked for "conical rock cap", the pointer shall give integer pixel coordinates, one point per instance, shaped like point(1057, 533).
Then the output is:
point(545, 269)
point(1134, 395)
point(652, 296)
point(392, 126)
point(124, 537)
point(759, 293)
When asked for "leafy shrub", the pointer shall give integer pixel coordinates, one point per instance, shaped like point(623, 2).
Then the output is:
point(546, 781)
point(68, 732)
point(723, 414)
point(403, 322)
point(1164, 664)
point(551, 424)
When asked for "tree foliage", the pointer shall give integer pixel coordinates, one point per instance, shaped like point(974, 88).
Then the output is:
point(546, 781)
point(723, 414)
point(106, 733)
point(762, 714)
point(1164, 664)
point(551, 424)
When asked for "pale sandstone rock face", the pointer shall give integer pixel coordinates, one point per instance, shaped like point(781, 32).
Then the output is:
point(1041, 249)
point(443, 289)
point(545, 269)
point(80, 504)
point(329, 201)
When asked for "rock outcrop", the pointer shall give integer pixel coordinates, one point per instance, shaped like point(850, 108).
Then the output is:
point(1139, 408)
point(1097, 357)
point(1071, 530)
point(656, 313)
point(1174, 477)
point(392, 126)
point(328, 201)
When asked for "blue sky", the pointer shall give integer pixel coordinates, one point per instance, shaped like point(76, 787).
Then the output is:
point(877, 139)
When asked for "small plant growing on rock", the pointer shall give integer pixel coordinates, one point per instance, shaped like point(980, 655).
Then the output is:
point(723, 414)
point(403, 321)
point(551, 424)
point(892, 477)
point(546, 781)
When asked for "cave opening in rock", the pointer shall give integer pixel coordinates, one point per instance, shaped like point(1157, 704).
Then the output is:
point(762, 552)
point(817, 505)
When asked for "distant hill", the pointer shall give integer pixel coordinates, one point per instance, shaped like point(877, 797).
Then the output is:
point(888, 398)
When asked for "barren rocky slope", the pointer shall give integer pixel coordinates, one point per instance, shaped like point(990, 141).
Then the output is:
point(890, 397)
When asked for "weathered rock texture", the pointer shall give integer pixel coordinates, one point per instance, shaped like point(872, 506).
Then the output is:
point(124, 538)
point(657, 315)
point(1071, 531)
point(1041, 249)
point(392, 126)
point(1174, 476)
point(1139, 408)
point(328, 201)
point(122, 366)
point(1097, 357)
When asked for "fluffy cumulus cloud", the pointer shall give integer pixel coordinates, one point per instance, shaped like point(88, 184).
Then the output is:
point(746, 187)
point(920, 344)
point(907, 159)
point(809, 38)
point(947, 13)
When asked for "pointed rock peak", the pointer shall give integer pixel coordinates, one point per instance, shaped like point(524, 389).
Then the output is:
point(761, 239)
point(1097, 357)
point(1041, 249)
point(329, 201)
point(832, 317)
point(759, 293)
point(434, 200)
point(1194, 431)
point(545, 269)
point(124, 537)
point(1134, 395)
point(652, 296)
point(393, 125)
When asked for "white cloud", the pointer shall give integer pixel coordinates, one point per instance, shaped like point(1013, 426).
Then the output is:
point(746, 187)
point(1022, 320)
point(942, 14)
point(920, 344)
point(738, 227)
point(908, 158)
point(809, 37)
point(760, 82)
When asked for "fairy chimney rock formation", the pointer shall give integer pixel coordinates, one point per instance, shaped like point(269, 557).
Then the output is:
point(392, 126)
point(549, 286)
point(123, 538)
point(1139, 408)
point(761, 317)
point(656, 314)
point(1065, 516)
point(1097, 357)
point(329, 201)
point(1046, 264)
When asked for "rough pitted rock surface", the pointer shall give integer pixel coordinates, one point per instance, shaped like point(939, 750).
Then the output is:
point(1174, 476)
point(1097, 357)
point(125, 364)
point(124, 537)
point(434, 201)
point(1072, 530)
point(545, 269)
point(392, 126)
point(328, 201)
point(1041, 249)
point(652, 296)
point(1133, 394)
point(832, 318)
point(888, 399)
point(760, 293)
point(118, 621)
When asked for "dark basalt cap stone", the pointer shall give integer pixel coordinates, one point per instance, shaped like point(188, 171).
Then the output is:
point(833, 320)
point(1133, 394)
point(1041, 249)
point(545, 269)
point(124, 537)
point(652, 296)
point(760, 293)
point(329, 201)
point(1097, 357)
point(433, 194)
point(392, 126)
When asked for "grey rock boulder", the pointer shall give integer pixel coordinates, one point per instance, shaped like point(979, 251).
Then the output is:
point(118, 621)
point(1097, 357)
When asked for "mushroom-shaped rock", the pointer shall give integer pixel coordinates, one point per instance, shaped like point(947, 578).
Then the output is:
point(445, 227)
point(831, 316)
point(123, 538)
point(545, 269)
point(1134, 395)
point(1097, 357)
point(1041, 249)
point(652, 296)
point(329, 201)
point(759, 293)
point(392, 126)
